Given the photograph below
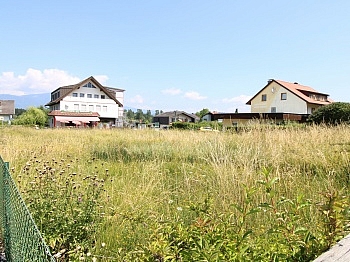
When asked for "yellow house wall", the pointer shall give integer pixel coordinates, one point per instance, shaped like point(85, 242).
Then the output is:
point(293, 104)
point(310, 108)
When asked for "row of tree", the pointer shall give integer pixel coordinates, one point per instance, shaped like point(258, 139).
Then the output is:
point(147, 117)
point(334, 113)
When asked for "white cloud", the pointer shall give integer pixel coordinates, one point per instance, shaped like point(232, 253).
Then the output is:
point(136, 100)
point(35, 81)
point(238, 99)
point(172, 91)
point(236, 103)
point(194, 96)
point(102, 79)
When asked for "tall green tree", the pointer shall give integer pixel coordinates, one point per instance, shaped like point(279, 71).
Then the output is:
point(203, 112)
point(148, 116)
point(19, 111)
point(139, 115)
point(130, 115)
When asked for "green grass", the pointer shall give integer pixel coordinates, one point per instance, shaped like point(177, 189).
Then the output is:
point(267, 193)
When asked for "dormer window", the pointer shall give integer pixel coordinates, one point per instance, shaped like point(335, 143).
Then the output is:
point(89, 85)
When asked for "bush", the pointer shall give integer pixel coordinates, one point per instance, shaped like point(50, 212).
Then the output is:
point(33, 116)
point(334, 113)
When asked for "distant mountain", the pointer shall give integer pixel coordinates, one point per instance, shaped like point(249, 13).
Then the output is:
point(26, 101)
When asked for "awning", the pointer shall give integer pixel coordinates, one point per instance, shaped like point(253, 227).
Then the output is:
point(76, 119)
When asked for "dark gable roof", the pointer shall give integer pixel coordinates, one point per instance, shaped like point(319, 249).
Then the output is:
point(8, 107)
point(172, 114)
point(66, 90)
point(298, 90)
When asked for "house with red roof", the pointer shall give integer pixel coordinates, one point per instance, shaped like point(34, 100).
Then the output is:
point(277, 101)
point(284, 97)
point(87, 103)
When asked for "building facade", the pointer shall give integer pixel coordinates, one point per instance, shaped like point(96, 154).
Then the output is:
point(279, 102)
point(92, 102)
point(284, 97)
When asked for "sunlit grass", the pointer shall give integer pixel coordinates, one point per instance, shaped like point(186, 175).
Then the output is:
point(165, 176)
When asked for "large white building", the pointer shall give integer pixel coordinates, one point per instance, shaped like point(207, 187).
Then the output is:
point(86, 103)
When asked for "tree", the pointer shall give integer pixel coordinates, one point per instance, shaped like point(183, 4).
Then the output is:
point(19, 111)
point(149, 116)
point(203, 112)
point(33, 116)
point(139, 115)
point(334, 113)
point(130, 114)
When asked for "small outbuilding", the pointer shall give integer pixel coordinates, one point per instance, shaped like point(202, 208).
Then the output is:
point(167, 118)
point(7, 110)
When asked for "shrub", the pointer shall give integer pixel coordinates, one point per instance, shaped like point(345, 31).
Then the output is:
point(334, 113)
point(33, 116)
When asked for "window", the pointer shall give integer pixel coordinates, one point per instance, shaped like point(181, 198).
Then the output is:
point(83, 107)
point(273, 110)
point(283, 96)
point(91, 108)
point(264, 97)
point(89, 95)
point(82, 94)
point(104, 108)
point(89, 85)
point(103, 97)
point(96, 96)
point(75, 94)
point(66, 107)
point(76, 107)
point(98, 108)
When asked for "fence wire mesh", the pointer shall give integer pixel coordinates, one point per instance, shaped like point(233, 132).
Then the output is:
point(21, 237)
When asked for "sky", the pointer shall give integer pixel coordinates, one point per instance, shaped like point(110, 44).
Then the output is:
point(176, 55)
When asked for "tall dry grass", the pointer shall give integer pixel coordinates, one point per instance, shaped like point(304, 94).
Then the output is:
point(164, 176)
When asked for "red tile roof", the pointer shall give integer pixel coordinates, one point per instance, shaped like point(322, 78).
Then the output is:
point(299, 90)
point(67, 113)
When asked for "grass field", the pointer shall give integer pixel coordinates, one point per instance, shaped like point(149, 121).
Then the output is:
point(141, 195)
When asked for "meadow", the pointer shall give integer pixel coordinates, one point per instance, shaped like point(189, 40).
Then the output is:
point(263, 194)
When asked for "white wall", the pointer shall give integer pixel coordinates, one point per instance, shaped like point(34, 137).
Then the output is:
point(91, 104)
point(293, 103)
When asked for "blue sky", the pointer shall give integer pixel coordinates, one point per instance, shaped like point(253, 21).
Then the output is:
point(176, 55)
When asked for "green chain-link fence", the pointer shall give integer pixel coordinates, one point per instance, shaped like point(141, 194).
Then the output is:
point(20, 235)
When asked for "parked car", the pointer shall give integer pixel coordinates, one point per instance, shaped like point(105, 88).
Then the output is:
point(208, 128)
